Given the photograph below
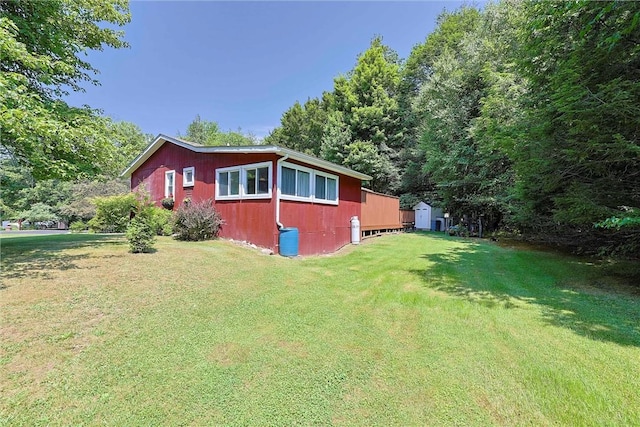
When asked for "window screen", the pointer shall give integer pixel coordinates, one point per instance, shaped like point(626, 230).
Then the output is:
point(223, 183)
point(263, 180)
point(303, 188)
point(234, 184)
point(250, 187)
point(288, 181)
point(321, 191)
point(332, 189)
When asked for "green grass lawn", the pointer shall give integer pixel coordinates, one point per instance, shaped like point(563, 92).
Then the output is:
point(413, 329)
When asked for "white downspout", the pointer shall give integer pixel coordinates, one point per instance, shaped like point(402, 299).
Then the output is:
point(278, 182)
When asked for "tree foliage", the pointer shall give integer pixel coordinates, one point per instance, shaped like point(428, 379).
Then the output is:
point(524, 114)
point(302, 127)
point(461, 105)
point(580, 161)
point(207, 132)
point(128, 141)
point(39, 212)
point(70, 199)
point(41, 47)
point(367, 99)
point(80, 204)
point(358, 124)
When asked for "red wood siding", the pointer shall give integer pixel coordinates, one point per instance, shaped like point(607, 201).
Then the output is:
point(380, 212)
point(322, 228)
point(249, 220)
point(172, 157)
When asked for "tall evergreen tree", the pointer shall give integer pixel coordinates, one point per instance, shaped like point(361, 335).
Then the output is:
point(366, 99)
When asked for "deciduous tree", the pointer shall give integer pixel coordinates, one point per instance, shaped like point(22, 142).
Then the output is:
point(42, 43)
point(579, 162)
point(207, 132)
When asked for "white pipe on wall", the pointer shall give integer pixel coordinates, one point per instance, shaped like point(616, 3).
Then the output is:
point(278, 182)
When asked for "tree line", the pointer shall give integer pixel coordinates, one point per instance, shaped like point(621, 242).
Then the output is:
point(39, 196)
point(524, 114)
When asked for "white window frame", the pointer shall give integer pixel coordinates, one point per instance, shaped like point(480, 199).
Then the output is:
point(228, 172)
point(326, 188)
point(301, 169)
point(242, 169)
point(312, 198)
point(185, 172)
point(167, 193)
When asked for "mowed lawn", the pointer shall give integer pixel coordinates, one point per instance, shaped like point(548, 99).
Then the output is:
point(413, 329)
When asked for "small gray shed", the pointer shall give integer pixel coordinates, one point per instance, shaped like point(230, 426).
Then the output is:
point(428, 217)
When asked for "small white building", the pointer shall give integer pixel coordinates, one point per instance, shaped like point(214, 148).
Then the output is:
point(428, 217)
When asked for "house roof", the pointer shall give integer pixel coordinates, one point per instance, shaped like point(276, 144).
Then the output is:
point(197, 148)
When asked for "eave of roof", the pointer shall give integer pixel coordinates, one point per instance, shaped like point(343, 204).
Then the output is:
point(292, 154)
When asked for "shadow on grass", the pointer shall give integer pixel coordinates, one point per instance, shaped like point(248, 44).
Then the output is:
point(571, 293)
point(37, 256)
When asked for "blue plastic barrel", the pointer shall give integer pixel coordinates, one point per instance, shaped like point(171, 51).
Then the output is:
point(288, 241)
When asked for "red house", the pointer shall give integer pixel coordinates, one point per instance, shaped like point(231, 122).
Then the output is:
point(257, 189)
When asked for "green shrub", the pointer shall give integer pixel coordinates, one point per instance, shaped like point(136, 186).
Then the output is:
point(78, 226)
point(112, 213)
point(142, 228)
point(161, 221)
point(197, 221)
point(140, 234)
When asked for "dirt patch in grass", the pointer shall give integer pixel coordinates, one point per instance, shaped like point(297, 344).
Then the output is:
point(482, 400)
point(229, 354)
point(296, 348)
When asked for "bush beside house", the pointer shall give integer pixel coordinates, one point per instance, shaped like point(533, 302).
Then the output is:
point(141, 220)
point(197, 221)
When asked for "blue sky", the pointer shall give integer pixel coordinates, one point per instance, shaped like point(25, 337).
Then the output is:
point(242, 64)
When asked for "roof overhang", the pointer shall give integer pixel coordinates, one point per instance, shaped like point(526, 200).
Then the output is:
point(252, 149)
